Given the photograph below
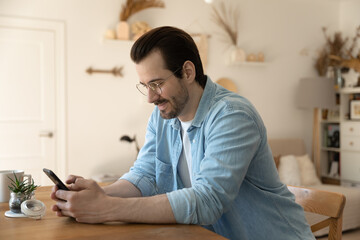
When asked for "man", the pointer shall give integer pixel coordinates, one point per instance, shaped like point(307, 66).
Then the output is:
point(205, 159)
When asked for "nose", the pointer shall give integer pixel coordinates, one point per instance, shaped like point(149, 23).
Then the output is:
point(152, 96)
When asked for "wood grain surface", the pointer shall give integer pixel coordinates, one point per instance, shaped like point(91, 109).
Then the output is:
point(53, 227)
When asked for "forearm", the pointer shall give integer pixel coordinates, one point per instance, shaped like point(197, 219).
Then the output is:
point(122, 188)
point(155, 209)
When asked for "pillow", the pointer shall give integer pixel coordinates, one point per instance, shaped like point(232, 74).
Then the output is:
point(289, 171)
point(307, 171)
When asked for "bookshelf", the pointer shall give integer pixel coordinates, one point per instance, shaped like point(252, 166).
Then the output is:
point(340, 141)
point(330, 150)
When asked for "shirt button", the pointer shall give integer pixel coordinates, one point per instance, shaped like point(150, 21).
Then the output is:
point(194, 141)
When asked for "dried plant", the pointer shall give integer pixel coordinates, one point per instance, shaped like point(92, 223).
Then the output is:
point(227, 19)
point(341, 57)
point(133, 6)
point(353, 44)
point(322, 62)
point(335, 47)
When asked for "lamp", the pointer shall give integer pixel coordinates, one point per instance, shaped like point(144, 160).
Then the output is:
point(316, 93)
point(126, 138)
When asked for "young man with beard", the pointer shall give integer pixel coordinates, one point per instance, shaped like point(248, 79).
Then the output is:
point(205, 160)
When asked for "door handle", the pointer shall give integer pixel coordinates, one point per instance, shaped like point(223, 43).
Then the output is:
point(47, 134)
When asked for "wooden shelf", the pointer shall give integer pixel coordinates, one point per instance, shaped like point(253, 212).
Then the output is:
point(329, 149)
point(350, 90)
point(330, 121)
point(330, 180)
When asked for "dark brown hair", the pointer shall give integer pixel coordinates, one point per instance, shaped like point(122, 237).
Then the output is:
point(175, 45)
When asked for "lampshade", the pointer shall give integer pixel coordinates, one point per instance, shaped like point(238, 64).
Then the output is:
point(316, 93)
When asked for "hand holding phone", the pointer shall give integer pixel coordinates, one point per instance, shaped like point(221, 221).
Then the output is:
point(55, 179)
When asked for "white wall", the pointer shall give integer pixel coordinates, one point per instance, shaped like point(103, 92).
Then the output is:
point(349, 17)
point(101, 108)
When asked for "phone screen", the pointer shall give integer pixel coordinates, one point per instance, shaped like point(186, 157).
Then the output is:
point(55, 179)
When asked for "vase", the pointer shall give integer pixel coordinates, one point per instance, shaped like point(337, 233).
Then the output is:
point(16, 199)
point(237, 55)
point(123, 31)
point(339, 82)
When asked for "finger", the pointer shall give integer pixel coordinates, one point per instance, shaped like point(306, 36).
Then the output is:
point(53, 196)
point(82, 183)
point(74, 187)
point(60, 205)
point(53, 191)
point(62, 209)
point(57, 210)
point(63, 195)
point(72, 178)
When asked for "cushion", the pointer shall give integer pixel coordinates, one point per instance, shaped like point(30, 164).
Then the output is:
point(307, 171)
point(289, 170)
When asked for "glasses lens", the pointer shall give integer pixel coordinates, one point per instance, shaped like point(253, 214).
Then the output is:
point(155, 87)
point(142, 89)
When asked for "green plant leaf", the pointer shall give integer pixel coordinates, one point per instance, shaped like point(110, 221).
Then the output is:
point(23, 186)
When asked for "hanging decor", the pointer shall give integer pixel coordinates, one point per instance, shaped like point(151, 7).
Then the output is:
point(116, 71)
point(129, 9)
point(227, 18)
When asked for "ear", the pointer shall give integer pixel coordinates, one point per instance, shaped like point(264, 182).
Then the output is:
point(189, 71)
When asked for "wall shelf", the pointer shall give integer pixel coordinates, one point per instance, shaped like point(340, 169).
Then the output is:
point(350, 90)
point(330, 149)
point(330, 121)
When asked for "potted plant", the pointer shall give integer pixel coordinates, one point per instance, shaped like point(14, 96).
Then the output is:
point(21, 190)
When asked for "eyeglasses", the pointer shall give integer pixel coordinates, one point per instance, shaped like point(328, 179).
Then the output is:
point(154, 86)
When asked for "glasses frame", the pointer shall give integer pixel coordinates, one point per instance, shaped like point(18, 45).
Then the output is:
point(154, 86)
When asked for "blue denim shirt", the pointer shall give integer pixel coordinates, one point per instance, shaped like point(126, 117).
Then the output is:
point(235, 191)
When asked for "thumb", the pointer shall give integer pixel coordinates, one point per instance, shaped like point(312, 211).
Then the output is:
point(81, 184)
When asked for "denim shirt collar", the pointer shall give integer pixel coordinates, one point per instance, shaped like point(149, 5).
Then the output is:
point(203, 108)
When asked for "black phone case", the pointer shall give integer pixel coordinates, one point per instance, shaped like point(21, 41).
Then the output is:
point(55, 179)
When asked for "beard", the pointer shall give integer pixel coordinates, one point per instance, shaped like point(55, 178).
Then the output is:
point(177, 103)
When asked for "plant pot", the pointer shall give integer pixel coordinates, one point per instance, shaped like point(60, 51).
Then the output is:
point(16, 199)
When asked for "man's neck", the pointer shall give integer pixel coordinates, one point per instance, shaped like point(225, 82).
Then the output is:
point(195, 94)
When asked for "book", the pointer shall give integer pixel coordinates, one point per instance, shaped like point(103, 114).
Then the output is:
point(333, 135)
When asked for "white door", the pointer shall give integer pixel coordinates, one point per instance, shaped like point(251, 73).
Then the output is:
point(27, 101)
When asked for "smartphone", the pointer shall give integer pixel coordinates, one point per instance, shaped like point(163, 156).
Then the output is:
point(55, 179)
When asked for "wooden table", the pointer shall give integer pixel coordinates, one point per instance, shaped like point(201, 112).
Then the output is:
point(53, 227)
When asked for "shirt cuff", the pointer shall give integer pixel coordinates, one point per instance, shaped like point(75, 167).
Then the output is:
point(146, 187)
point(183, 205)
